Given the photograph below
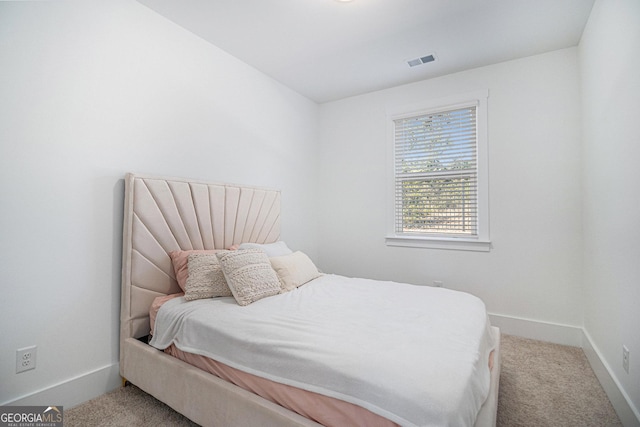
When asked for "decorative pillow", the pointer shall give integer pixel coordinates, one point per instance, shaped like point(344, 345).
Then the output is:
point(179, 260)
point(206, 279)
point(271, 249)
point(249, 275)
point(294, 270)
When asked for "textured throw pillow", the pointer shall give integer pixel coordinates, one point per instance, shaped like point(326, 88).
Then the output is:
point(206, 279)
point(179, 261)
point(294, 270)
point(249, 275)
point(278, 248)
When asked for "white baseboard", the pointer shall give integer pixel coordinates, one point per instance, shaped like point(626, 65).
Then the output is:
point(74, 391)
point(628, 413)
point(534, 329)
point(576, 337)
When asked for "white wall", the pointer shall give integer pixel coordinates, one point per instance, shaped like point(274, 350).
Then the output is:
point(89, 92)
point(610, 64)
point(534, 268)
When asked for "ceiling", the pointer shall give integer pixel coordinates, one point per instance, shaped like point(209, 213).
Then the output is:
point(328, 50)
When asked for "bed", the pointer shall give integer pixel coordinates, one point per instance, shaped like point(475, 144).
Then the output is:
point(163, 215)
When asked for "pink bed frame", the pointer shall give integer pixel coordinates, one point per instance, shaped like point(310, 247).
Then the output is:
point(164, 214)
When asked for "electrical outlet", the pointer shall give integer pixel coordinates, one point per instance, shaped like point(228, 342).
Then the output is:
point(625, 358)
point(438, 283)
point(25, 359)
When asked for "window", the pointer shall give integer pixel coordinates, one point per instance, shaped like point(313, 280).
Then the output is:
point(439, 190)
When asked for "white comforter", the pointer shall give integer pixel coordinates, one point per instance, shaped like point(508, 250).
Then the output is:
point(416, 355)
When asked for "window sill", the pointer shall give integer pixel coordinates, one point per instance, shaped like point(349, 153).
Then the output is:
point(451, 243)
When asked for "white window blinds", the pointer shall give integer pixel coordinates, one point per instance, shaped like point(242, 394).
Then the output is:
point(436, 174)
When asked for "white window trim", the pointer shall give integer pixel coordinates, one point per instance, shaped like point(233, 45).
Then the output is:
point(479, 243)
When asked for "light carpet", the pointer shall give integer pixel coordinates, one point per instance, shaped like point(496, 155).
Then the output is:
point(541, 384)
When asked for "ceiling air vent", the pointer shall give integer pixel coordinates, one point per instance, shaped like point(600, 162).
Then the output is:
point(421, 60)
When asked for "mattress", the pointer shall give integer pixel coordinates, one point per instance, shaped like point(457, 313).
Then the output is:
point(367, 333)
point(325, 410)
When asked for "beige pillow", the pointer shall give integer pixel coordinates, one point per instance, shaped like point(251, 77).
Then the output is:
point(249, 275)
point(206, 279)
point(294, 270)
point(179, 261)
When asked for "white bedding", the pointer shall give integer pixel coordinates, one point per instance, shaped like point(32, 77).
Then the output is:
point(416, 355)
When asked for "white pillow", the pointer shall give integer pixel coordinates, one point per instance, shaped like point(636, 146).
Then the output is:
point(249, 275)
point(271, 249)
point(205, 279)
point(294, 270)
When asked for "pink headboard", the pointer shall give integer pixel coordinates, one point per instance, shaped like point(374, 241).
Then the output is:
point(167, 214)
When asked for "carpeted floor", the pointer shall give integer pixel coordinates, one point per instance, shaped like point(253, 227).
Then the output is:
point(541, 385)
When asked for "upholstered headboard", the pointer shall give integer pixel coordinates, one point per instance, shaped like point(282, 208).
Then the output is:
point(167, 214)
